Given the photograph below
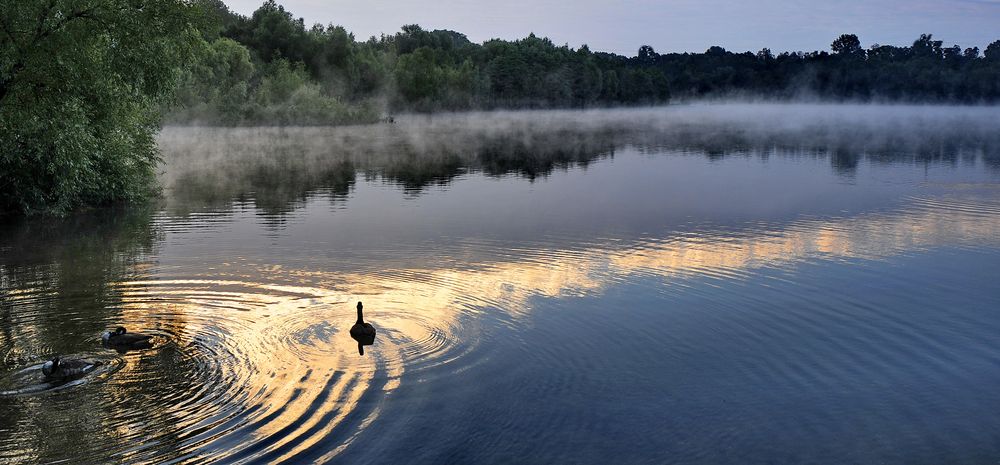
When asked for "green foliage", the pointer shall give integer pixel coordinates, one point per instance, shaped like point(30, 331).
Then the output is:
point(80, 85)
point(418, 78)
point(225, 87)
point(287, 96)
point(421, 70)
point(215, 87)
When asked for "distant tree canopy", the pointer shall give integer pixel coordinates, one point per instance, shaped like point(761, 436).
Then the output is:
point(923, 72)
point(420, 70)
point(414, 69)
point(80, 86)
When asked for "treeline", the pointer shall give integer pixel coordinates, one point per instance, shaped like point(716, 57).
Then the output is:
point(271, 68)
point(926, 72)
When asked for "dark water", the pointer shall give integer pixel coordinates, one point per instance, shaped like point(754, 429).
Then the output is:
point(709, 284)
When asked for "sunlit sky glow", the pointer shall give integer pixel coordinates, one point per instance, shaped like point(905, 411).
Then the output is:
point(669, 26)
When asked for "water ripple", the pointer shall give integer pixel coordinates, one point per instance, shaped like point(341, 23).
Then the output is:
point(262, 371)
point(252, 362)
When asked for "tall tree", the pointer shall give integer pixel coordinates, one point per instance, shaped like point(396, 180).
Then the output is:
point(847, 45)
point(992, 51)
point(647, 55)
point(80, 84)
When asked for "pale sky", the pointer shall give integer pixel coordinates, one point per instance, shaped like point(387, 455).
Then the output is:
point(667, 25)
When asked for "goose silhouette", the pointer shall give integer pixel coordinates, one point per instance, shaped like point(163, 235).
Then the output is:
point(122, 340)
point(362, 332)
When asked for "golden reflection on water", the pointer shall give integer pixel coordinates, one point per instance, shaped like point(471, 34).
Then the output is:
point(275, 338)
point(291, 342)
point(550, 272)
point(255, 330)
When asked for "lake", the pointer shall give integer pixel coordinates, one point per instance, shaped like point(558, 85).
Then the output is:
point(709, 283)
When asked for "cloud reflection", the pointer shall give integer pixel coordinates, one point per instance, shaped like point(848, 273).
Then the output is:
point(295, 363)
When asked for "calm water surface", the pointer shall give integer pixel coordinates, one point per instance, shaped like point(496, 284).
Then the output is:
point(702, 284)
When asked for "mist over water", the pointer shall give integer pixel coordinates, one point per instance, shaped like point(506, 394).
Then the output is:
point(701, 283)
point(424, 150)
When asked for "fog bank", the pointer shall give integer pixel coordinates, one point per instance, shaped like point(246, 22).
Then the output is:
point(279, 164)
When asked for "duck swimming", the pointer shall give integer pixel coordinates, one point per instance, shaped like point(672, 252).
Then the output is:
point(121, 339)
point(362, 332)
point(58, 368)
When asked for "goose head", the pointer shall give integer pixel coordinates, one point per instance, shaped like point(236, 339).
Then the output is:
point(106, 337)
point(50, 367)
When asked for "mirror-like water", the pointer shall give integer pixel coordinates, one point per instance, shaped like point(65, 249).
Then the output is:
point(719, 283)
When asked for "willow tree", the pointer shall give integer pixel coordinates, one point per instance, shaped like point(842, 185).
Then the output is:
point(81, 82)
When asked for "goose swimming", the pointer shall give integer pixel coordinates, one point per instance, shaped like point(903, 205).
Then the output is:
point(122, 339)
point(59, 368)
point(362, 332)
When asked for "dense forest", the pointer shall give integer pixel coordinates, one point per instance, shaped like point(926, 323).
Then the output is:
point(86, 84)
point(270, 67)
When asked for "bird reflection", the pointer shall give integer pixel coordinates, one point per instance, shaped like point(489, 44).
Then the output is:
point(362, 332)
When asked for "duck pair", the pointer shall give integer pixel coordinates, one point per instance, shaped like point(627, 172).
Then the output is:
point(119, 339)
